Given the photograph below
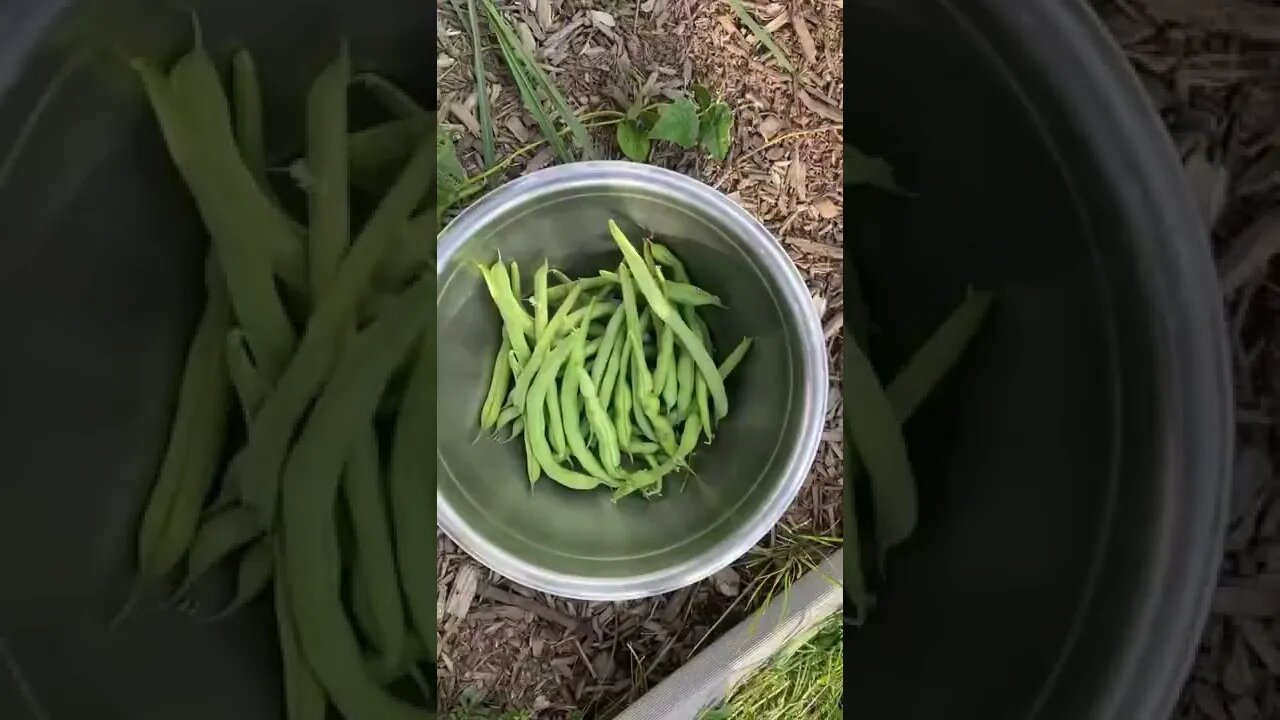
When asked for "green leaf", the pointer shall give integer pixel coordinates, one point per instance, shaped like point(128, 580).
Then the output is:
point(862, 169)
point(717, 130)
point(677, 122)
point(648, 119)
point(702, 96)
point(634, 141)
point(450, 175)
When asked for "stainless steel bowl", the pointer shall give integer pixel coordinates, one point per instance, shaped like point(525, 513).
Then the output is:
point(580, 544)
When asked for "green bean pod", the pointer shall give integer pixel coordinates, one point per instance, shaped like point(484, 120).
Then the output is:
point(877, 435)
point(375, 557)
point(258, 476)
point(304, 698)
point(310, 486)
point(516, 324)
point(247, 94)
point(607, 343)
point(529, 369)
point(555, 423)
point(328, 196)
point(684, 294)
point(195, 446)
point(735, 357)
point(619, 357)
point(250, 388)
point(532, 469)
point(253, 576)
point(218, 537)
point(569, 395)
point(540, 304)
point(600, 422)
point(237, 214)
point(648, 287)
point(685, 383)
point(535, 430)
point(498, 384)
point(938, 355)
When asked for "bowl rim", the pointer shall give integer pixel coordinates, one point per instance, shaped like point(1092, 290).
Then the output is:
point(812, 398)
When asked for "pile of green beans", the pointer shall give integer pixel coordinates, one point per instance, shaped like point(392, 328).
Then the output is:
point(296, 452)
point(609, 380)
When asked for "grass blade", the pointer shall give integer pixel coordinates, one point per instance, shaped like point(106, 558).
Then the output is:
point(761, 34)
point(482, 94)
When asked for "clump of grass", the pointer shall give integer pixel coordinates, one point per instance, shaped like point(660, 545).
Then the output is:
point(533, 83)
point(775, 567)
point(803, 682)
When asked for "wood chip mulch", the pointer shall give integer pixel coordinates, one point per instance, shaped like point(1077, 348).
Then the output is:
point(555, 658)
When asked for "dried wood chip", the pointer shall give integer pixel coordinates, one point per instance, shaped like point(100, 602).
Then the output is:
point(464, 591)
point(546, 613)
point(1237, 676)
point(543, 13)
point(1246, 602)
point(1262, 643)
point(804, 38)
point(1206, 698)
point(813, 248)
point(1251, 252)
point(465, 117)
point(819, 108)
point(602, 19)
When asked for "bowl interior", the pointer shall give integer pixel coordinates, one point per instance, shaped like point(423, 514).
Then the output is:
point(736, 478)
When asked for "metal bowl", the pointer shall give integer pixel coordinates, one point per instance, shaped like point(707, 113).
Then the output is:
point(581, 544)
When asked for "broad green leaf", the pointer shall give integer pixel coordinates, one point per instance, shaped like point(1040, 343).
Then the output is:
point(717, 130)
point(678, 123)
point(633, 141)
point(702, 96)
point(862, 169)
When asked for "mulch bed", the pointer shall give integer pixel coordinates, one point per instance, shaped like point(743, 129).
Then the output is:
point(1212, 67)
point(556, 658)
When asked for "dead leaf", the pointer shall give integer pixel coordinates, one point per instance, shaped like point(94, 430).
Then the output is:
point(804, 38)
point(600, 17)
point(769, 127)
point(1240, 601)
point(825, 208)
